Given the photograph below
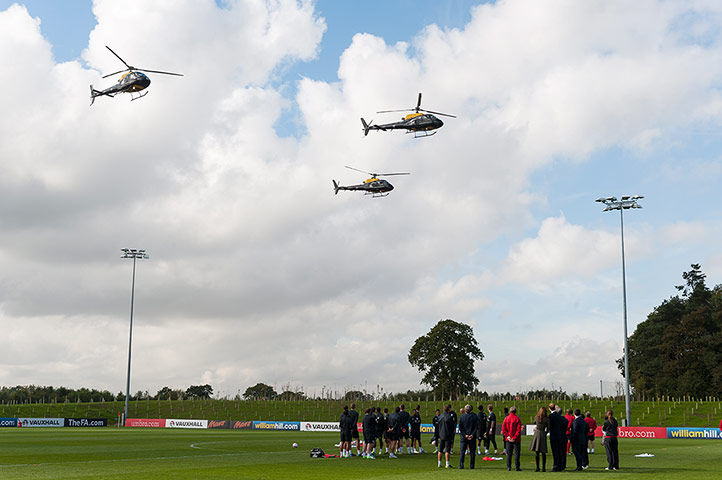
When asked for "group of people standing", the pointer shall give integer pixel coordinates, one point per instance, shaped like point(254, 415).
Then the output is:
point(575, 431)
point(395, 429)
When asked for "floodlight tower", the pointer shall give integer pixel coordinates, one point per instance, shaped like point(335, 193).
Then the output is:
point(611, 203)
point(134, 254)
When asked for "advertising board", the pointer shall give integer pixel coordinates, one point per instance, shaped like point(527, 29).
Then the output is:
point(642, 432)
point(266, 425)
point(427, 428)
point(185, 423)
point(320, 427)
point(695, 433)
point(41, 422)
point(86, 422)
point(219, 424)
point(145, 422)
point(241, 424)
point(8, 422)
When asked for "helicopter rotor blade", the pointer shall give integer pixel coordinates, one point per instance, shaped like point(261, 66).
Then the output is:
point(438, 113)
point(352, 168)
point(115, 73)
point(111, 51)
point(390, 174)
point(418, 103)
point(158, 71)
point(390, 111)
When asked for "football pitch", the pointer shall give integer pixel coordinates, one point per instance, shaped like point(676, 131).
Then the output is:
point(112, 453)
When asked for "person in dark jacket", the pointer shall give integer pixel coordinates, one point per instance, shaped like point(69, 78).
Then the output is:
point(405, 419)
point(354, 431)
point(380, 429)
point(415, 430)
point(447, 430)
point(564, 440)
point(490, 435)
point(580, 432)
point(468, 428)
point(481, 431)
point(346, 425)
point(369, 428)
point(610, 441)
point(556, 436)
point(394, 429)
point(435, 423)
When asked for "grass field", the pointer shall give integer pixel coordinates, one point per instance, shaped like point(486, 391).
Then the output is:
point(112, 453)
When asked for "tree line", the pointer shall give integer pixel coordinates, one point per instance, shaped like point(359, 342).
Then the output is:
point(49, 394)
point(677, 350)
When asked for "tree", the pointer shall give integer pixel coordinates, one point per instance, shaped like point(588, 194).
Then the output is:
point(446, 354)
point(677, 350)
point(199, 391)
point(260, 391)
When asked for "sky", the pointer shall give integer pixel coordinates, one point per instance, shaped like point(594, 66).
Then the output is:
point(259, 273)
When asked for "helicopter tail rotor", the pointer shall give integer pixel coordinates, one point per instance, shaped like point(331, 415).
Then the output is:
point(93, 93)
point(335, 187)
point(367, 126)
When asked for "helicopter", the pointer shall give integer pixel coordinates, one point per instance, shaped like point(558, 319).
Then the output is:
point(374, 186)
point(132, 82)
point(417, 123)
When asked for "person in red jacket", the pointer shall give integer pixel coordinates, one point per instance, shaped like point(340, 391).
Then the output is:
point(511, 431)
point(570, 418)
point(592, 428)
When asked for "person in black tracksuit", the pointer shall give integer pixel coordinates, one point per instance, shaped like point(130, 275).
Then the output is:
point(491, 432)
point(447, 430)
point(369, 428)
point(354, 431)
point(380, 429)
point(405, 419)
point(415, 431)
point(345, 425)
point(481, 432)
point(610, 440)
point(435, 437)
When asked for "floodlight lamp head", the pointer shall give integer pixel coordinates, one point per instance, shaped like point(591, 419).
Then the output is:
point(611, 199)
point(600, 199)
point(626, 197)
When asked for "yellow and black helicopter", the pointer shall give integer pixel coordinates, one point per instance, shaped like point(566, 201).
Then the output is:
point(420, 124)
point(374, 186)
point(132, 82)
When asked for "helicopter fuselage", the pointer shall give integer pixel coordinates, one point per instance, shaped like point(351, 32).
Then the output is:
point(372, 186)
point(130, 82)
point(412, 123)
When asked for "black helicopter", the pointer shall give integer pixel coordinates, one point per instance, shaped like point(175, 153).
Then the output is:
point(417, 123)
point(374, 186)
point(132, 82)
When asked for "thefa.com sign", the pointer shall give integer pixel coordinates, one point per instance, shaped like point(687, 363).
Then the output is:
point(174, 423)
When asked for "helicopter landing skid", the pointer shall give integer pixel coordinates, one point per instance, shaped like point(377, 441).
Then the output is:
point(140, 95)
point(422, 133)
point(378, 195)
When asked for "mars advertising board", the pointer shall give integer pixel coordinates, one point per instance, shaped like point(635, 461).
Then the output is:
point(178, 423)
point(241, 424)
point(145, 422)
